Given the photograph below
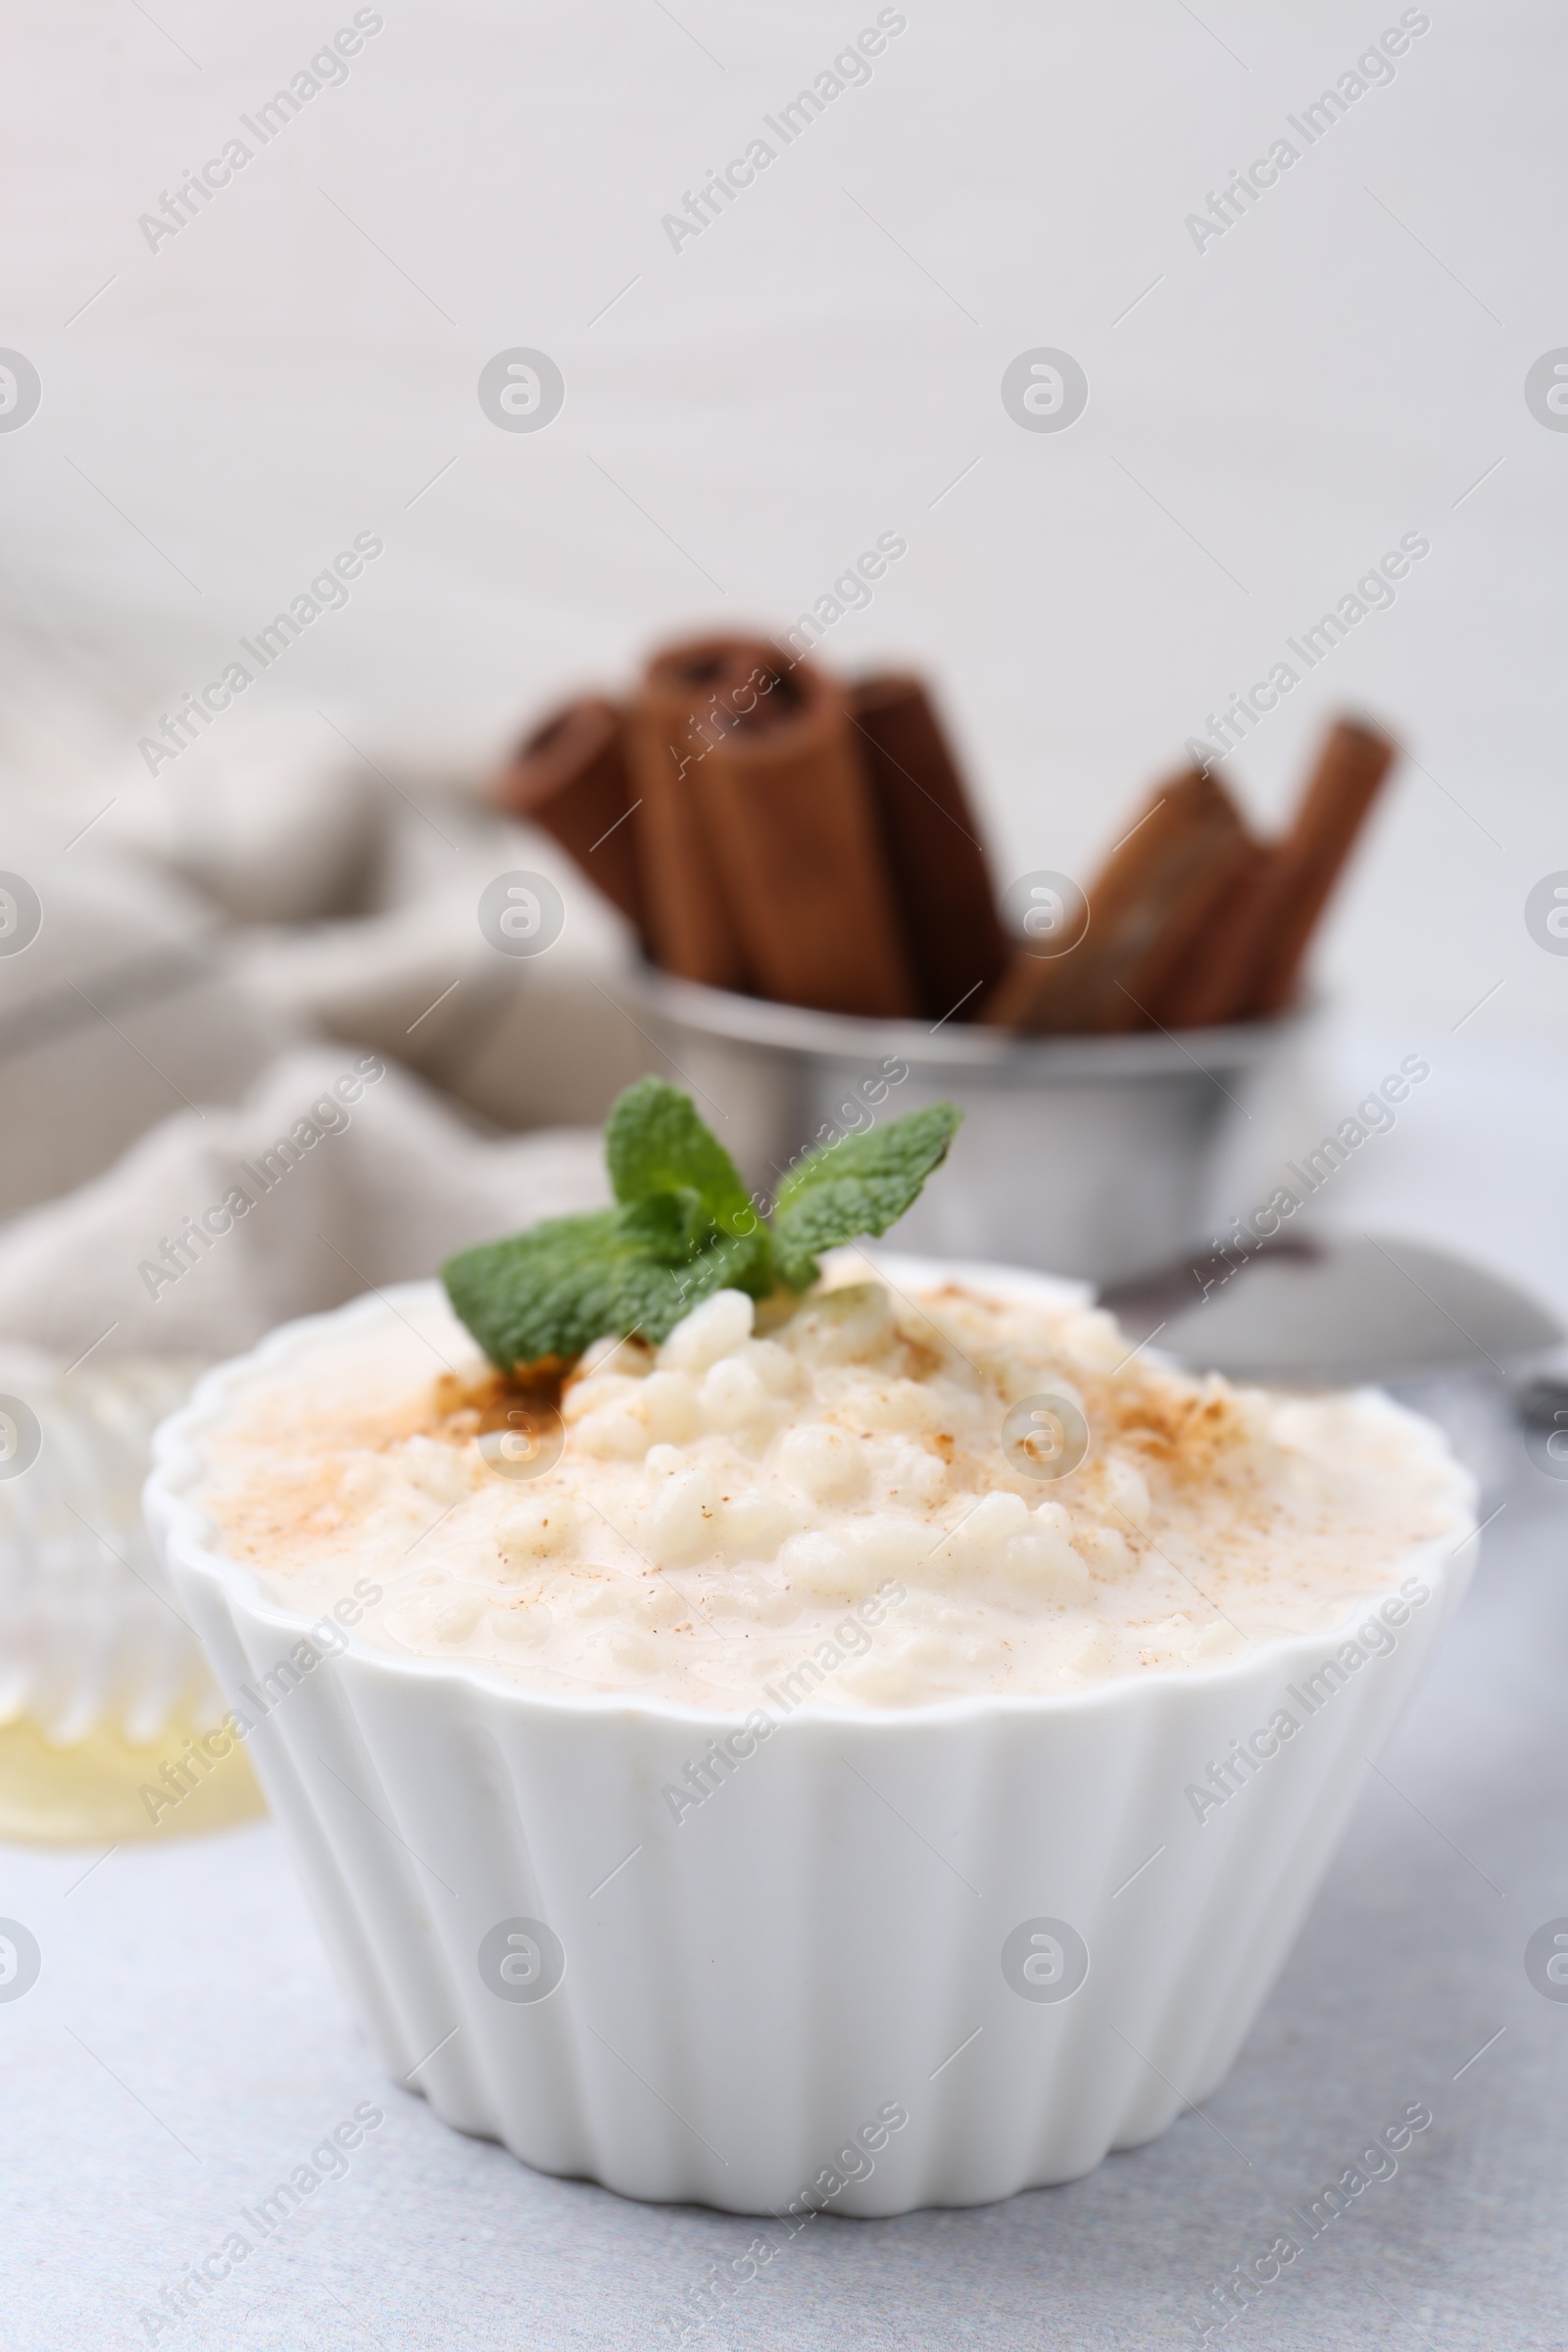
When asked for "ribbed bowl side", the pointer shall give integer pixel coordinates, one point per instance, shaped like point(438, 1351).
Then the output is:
point(821, 1940)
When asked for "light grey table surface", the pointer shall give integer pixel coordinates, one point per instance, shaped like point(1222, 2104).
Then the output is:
point(186, 2046)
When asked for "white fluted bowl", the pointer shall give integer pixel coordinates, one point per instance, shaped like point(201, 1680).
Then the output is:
point(736, 2008)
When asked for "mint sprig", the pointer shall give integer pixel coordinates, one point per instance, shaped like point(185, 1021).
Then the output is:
point(683, 1227)
point(862, 1184)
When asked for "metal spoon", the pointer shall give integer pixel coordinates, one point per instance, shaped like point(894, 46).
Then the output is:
point(1330, 1309)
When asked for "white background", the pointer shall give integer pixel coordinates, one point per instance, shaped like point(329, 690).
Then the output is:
point(817, 367)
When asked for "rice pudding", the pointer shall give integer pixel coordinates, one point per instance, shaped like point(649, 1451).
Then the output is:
point(817, 1497)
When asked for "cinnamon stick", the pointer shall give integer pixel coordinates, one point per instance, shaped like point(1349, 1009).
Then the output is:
point(1249, 964)
point(931, 840)
point(1196, 982)
point(1160, 882)
point(1351, 769)
point(690, 922)
point(790, 824)
point(569, 776)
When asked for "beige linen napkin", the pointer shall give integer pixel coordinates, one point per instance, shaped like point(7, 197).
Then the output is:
point(338, 1173)
point(119, 1003)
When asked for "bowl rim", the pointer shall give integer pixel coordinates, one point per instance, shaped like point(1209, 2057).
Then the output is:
point(187, 1539)
point(796, 1030)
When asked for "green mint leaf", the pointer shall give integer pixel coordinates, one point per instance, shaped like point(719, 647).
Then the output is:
point(548, 1292)
point(730, 1263)
point(671, 1227)
point(862, 1184)
point(684, 1227)
point(551, 1291)
point(656, 1143)
point(672, 1230)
